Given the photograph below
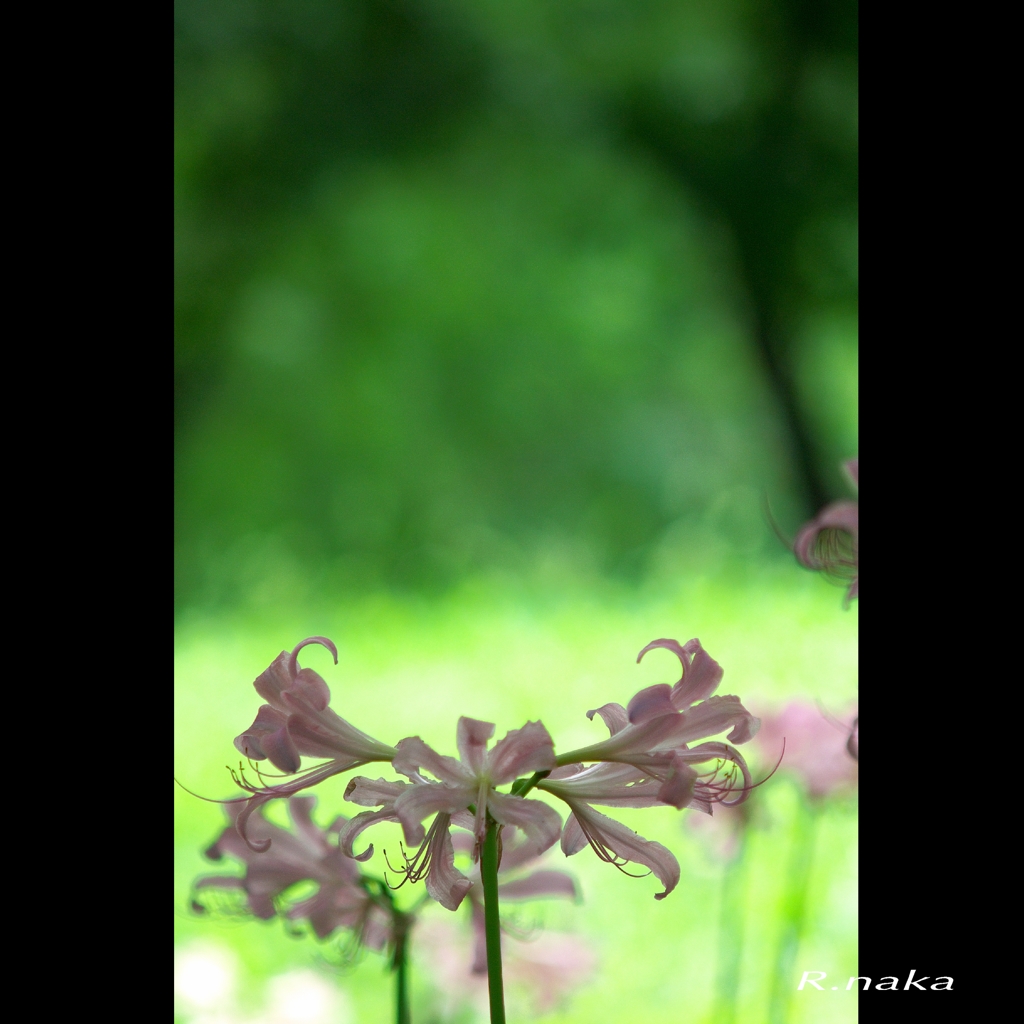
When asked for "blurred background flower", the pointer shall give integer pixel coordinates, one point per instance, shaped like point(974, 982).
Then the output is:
point(495, 325)
point(813, 746)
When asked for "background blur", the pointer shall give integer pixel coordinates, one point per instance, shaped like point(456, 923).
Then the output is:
point(496, 325)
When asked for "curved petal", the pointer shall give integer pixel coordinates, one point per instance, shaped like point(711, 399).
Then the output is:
point(715, 715)
point(419, 802)
point(677, 789)
point(413, 754)
point(851, 470)
point(308, 691)
point(471, 737)
point(280, 748)
point(445, 882)
point(351, 830)
point(539, 884)
point(611, 839)
point(574, 838)
point(650, 702)
point(613, 715)
point(293, 658)
point(273, 681)
point(267, 721)
point(372, 792)
point(681, 651)
point(529, 749)
point(701, 678)
point(542, 824)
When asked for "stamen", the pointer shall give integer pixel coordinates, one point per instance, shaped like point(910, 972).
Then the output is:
point(604, 853)
point(210, 799)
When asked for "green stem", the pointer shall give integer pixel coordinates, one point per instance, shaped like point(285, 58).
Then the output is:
point(523, 786)
point(794, 911)
point(400, 966)
point(730, 934)
point(492, 924)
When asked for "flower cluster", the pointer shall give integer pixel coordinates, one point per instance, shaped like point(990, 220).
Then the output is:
point(659, 750)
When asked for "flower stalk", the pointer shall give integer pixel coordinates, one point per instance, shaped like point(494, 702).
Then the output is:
point(400, 965)
point(492, 925)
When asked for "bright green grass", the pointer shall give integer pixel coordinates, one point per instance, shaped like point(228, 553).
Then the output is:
point(504, 654)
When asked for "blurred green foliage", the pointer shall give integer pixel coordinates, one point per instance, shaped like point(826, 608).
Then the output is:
point(468, 287)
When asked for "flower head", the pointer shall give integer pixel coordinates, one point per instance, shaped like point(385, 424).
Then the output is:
point(648, 759)
point(471, 781)
point(654, 732)
point(297, 721)
point(829, 542)
point(303, 854)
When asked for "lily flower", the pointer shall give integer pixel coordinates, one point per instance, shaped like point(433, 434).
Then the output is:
point(654, 731)
point(470, 782)
point(435, 858)
point(517, 854)
point(616, 785)
point(829, 542)
point(304, 853)
point(297, 721)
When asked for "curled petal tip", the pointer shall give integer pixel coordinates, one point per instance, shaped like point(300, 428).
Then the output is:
point(682, 651)
point(365, 855)
point(293, 661)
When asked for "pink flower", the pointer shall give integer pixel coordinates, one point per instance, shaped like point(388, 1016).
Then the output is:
point(296, 721)
point(829, 542)
point(435, 858)
point(471, 781)
point(654, 732)
point(816, 747)
point(517, 854)
point(305, 853)
point(648, 760)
